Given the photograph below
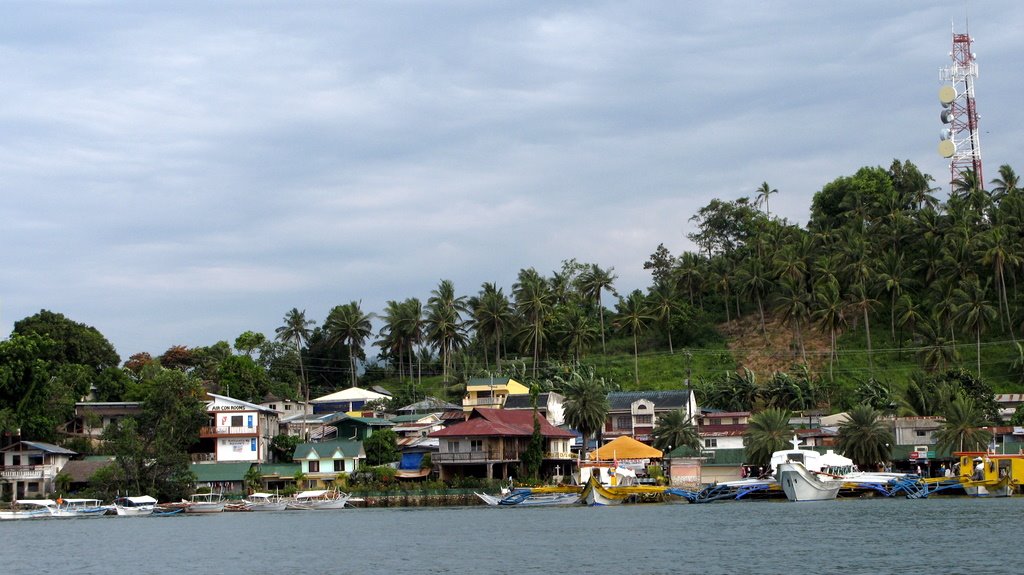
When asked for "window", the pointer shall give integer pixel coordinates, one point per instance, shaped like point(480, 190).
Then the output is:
point(711, 442)
point(339, 465)
point(644, 419)
point(716, 421)
point(623, 422)
point(236, 421)
point(273, 406)
point(641, 407)
point(921, 433)
point(314, 466)
point(453, 447)
point(476, 445)
point(15, 460)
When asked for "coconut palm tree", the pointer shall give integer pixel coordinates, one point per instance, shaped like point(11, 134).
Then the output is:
point(533, 304)
point(973, 310)
point(445, 328)
point(864, 438)
point(762, 196)
point(767, 432)
point(296, 331)
point(576, 331)
point(997, 250)
point(675, 429)
point(586, 403)
point(594, 281)
point(792, 304)
point(492, 317)
point(828, 313)
point(348, 325)
point(661, 302)
point(632, 318)
point(962, 426)
point(753, 279)
point(689, 272)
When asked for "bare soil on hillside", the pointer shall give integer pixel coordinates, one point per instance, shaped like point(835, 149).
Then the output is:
point(779, 352)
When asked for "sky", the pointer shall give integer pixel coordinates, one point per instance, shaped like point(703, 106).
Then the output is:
point(177, 173)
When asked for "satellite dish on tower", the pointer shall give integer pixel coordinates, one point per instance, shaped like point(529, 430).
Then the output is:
point(946, 116)
point(946, 95)
point(945, 134)
point(947, 148)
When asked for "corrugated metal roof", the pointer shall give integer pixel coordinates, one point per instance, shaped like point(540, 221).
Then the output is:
point(327, 449)
point(619, 400)
point(39, 445)
point(484, 422)
point(207, 472)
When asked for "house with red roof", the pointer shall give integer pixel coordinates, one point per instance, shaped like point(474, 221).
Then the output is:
point(491, 442)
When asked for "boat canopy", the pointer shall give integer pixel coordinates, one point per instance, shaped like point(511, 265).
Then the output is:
point(311, 494)
point(140, 500)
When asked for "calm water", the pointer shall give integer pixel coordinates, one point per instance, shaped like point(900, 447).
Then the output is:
point(935, 536)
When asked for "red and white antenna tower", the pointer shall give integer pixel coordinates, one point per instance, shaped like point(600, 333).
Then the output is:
point(960, 142)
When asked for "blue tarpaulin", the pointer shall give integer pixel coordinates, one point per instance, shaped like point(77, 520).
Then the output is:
point(411, 461)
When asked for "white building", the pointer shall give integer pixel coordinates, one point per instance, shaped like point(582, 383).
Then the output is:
point(27, 468)
point(238, 431)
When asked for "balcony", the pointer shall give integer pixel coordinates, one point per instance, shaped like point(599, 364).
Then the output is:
point(225, 431)
point(483, 401)
point(477, 456)
point(26, 471)
point(559, 455)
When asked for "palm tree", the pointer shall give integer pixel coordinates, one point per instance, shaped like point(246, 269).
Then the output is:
point(492, 317)
point(792, 303)
point(767, 432)
point(533, 304)
point(829, 315)
point(296, 330)
point(689, 271)
point(861, 300)
point(973, 310)
point(576, 331)
point(586, 404)
point(592, 283)
point(997, 251)
point(753, 279)
point(962, 426)
point(632, 318)
point(661, 302)
point(1007, 182)
point(675, 429)
point(762, 196)
point(444, 326)
point(864, 438)
point(348, 325)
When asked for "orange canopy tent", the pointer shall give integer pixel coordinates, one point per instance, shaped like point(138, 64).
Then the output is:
point(624, 447)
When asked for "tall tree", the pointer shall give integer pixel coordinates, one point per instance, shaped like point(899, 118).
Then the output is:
point(973, 310)
point(445, 327)
point(594, 281)
point(864, 438)
point(962, 427)
point(349, 325)
point(674, 429)
point(296, 331)
point(767, 432)
point(763, 192)
point(586, 404)
point(632, 317)
point(533, 303)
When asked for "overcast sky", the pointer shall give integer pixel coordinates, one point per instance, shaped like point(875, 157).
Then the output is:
point(180, 172)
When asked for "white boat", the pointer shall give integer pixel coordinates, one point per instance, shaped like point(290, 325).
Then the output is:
point(80, 508)
point(806, 475)
point(30, 509)
point(264, 502)
point(319, 499)
point(529, 497)
point(206, 503)
point(594, 493)
point(134, 506)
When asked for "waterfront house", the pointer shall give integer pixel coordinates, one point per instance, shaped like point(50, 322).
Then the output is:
point(491, 392)
point(634, 413)
point(275, 477)
point(221, 477)
point(350, 400)
point(80, 471)
point(323, 462)
point(491, 443)
point(550, 405)
point(237, 431)
point(722, 429)
point(28, 468)
point(92, 418)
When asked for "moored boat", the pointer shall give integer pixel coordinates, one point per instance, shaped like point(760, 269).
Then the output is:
point(30, 509)
point(264, 502)
point(800, 484)
point(206, 503)
point(596, 494)
point(80, 508)
point(134, 506)
point(319, 499)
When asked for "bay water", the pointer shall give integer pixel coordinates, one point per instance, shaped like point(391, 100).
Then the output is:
point(850, 536)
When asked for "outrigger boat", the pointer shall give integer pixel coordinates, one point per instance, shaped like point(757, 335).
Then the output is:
point(80, 508)
point(533, 496)
point(134, 506)
point(319, 499)
point(206, 503)
point(30, 509)
point(265, 502)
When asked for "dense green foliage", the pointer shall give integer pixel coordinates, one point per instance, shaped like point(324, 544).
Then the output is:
point(381, 448)
point(865, 439)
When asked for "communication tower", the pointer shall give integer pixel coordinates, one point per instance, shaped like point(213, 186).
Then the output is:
point(959, 137)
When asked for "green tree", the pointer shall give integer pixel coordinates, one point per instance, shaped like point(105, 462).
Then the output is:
point(763, 192)
point(382, 447)
point(973, 310)
point(962, 428)
point(864, 438)
point(349, 325)
point(533, 456)
point(249, 342)
point(594, 281)
point(296, 331)
point(586, 403)
point(632, 318)
point(283, 447)
point(75, 342)
point(768, 431)
point(674, 429)
point(445, 328)
point(533, 304)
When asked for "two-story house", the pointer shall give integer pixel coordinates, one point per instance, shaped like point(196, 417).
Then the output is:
point(491, 392)
point(237, 431)
point(635, 413)
point(28, 468)
point(551, 405)
point(722, 429)
point(92, 418)
point(491, 443)
point(322, 463)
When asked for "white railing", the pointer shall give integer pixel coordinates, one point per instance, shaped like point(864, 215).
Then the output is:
point(26, 471)
point(483, 401)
